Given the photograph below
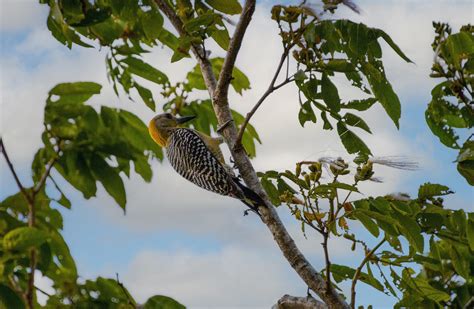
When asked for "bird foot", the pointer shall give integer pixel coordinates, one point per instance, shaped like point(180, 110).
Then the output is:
point(248, 211)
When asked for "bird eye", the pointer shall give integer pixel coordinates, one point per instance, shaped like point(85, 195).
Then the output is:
point(168, 115)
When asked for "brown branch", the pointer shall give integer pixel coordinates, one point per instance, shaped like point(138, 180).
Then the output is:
point(359, 269)
point(294, 302)
point(326, 259)
point(12, 169)
point(225, 76)
point(45, 175)
point(269, 90)
point(268, 213)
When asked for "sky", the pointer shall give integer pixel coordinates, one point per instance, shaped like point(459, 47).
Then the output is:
point(179, 240)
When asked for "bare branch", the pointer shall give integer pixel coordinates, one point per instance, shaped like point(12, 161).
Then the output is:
point(359, 269)
point(225, 76)
point(42, 291)
point(326, 259)
point(269, 90)
point(45, 175)
point(12, 169)
point(294, 302)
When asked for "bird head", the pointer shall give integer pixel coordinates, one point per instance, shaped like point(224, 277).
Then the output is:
point(162, 125)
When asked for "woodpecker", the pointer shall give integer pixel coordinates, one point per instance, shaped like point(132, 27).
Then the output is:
point(198, 158)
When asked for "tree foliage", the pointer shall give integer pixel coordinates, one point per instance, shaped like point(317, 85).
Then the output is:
point(451, 110)
point(84, 147)
point(423, 251)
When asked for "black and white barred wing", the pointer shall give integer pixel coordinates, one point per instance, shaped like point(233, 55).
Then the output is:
point(191, 158)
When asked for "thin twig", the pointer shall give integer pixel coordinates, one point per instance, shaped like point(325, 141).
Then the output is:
point(12, 169)
point(269, 90)
point(327, 261)
point(45, 175)
point(359, 269)
point(42, 291)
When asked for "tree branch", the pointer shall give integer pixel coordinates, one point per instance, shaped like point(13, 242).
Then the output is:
point(359, 269)
point(268, 213)
point(269, 90)
point(12, 169)
point(294, 302)
point(225, 76)
point(326, 259)
point(45, 175)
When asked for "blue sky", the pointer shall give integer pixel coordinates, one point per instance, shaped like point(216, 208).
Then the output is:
point(179, 240)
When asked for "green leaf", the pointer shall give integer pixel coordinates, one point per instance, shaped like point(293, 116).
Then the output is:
point(356, 121)
point(231, 7)
point(64, 201)
point(92, 17)
point(358, 38)
point(470, 231)
point(76, 88)
point(271, 190)
point(342, 272)
point(370, 225)
point(429, 190)
point(330, 94)
point(351, 141)
point(168, 39)
point(446, 134)
point(339, 185)
point(306, 114)
point(142, 69)
point(110, 179)
point(460, 262)
point(339, 65)
point(392, 44)
point(457, 47)
point(162, 302)
point(383, 91)
point(73, 166)
point(9, 299)
point(23, 238)
point(63, 256)
point(152, 23)
point(411, 230)
point(146, 96)
point(222, 38)
point(465, 161)
point(430, 292)
point(143, 168)
point(326, 124)
point(16, 201)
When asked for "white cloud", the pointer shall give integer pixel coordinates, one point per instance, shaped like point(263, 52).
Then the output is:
point(21, 15)
point(231, 277)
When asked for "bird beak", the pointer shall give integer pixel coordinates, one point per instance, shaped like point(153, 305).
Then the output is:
point(184, 119)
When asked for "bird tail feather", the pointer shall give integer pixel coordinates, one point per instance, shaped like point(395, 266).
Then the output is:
point(250, 198)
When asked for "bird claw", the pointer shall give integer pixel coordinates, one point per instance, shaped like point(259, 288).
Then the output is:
point(247, 212)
